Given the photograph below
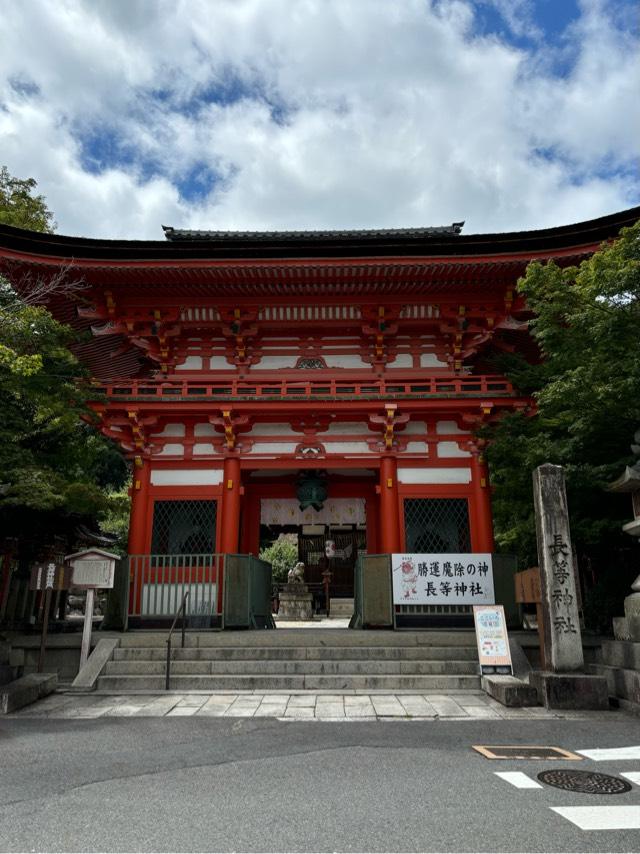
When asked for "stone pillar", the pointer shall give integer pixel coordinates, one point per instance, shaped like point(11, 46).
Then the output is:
point(563, 638)
point(565, 686)
point(230, 527)
point(389, 511)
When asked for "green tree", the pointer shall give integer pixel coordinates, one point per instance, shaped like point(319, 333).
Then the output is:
point(282, 555)
point(586, 387)
point(19, 207)
point(55, 467)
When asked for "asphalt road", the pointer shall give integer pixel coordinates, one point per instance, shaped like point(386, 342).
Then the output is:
point(212, 784)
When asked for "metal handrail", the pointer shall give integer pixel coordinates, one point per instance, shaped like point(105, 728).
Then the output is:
point(181, 608)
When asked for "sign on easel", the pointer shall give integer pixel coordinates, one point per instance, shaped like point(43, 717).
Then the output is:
point(91, 570)
point(492, 639)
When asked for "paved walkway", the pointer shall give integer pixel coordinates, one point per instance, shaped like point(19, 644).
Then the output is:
point(293, 706)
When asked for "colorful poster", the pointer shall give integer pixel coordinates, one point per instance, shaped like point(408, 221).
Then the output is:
point(442, 579)
point(491, 636)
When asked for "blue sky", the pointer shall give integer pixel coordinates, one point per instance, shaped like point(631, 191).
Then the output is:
point(272, 114)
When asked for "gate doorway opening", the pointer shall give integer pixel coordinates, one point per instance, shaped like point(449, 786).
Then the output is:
point(321, 547)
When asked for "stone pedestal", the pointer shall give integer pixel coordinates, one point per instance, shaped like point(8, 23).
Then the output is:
point(571, 690)
point(296, 603)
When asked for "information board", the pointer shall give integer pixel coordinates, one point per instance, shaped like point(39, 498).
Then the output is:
point(442, 579)
point(93, 573)
point(491, 637)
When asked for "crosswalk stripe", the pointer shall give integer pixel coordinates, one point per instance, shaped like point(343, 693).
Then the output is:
point(631, 776)
point(614, 753)
point(602, 818)
point(518, 779)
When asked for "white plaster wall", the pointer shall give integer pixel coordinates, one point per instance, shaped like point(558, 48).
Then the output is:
point(268, 363)
point(451, 449)
point(171, 430)
point(271, 430)
point(434, 476)
point(204, 429)
point(191, 363)
point(430, 360)
point(171, 450)
point(449, 427)
point(203, 448)
point(347, 428)
point(402, 360)
point(274, 447)
point(186, 477)
point(347, 447)
point(219, 363)
point(414, 427)
point(345, 361)
point(416, 447)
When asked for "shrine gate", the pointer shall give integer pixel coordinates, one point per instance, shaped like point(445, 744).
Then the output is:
point(237, 370)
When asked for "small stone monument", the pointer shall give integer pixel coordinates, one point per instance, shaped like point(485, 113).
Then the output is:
point(562, 682)
point(296, 602)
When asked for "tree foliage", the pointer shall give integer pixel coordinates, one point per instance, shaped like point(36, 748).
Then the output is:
point(19, 207)
point(55, 467)
point(586, 321)
point(282, 555)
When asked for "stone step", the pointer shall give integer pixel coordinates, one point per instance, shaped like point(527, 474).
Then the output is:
point(345, 682)
point(303, 638)
point(286, 668)
point(292, 653)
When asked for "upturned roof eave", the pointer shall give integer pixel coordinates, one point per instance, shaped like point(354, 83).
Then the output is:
point(300, 246)
point(629, 481)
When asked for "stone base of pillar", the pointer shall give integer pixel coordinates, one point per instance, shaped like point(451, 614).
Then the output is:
point(571, 690)
point(627, 628)
point(296, 603)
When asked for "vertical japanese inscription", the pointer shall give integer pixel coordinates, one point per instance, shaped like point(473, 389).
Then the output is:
point(562, 627)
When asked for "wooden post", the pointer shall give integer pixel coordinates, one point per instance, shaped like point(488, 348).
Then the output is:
point(230, 529)
point(389, 516)
point(45, 627)
point(86, 631)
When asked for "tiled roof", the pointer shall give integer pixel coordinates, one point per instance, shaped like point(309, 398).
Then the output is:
point(375, 233)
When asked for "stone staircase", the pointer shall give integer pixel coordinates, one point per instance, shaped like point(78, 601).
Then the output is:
point(341, 609)
point(297, 659)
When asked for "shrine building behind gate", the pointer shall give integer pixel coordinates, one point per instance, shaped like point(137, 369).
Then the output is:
point(241, 372)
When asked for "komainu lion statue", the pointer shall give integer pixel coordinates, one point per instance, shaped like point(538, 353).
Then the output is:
point(296, 575)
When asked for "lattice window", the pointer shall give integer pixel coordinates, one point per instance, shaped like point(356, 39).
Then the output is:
point(184, 527)
point(437, 525)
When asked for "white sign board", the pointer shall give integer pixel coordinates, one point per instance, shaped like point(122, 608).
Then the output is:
point(442, 579)
point(491, 636)
point(93, 573)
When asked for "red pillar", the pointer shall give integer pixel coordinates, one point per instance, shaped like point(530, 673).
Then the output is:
point(230, 527)
point(137, 543)
point(389, 516)
point(482, 505)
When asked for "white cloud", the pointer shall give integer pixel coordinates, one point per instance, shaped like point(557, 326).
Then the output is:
point(316, 113)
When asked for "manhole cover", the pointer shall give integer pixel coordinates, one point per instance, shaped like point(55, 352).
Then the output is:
point(588, 782)
point(524, 751)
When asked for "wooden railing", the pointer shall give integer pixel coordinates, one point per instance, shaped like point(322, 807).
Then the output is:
point(452, 386)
